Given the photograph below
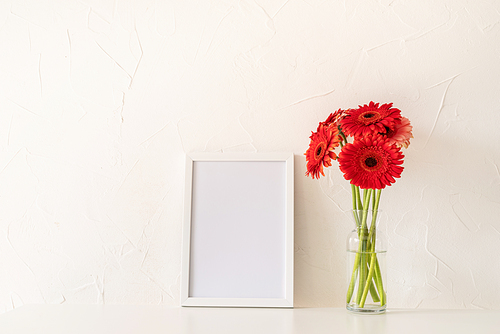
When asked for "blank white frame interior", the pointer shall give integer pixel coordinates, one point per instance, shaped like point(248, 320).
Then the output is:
point(238, 230)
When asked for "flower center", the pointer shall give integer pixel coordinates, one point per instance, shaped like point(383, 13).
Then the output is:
point(371, 162)
point(319, 151)
point(369, 117)
point(388, 132)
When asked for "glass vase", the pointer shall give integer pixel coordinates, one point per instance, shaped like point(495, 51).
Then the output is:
point(366, 264)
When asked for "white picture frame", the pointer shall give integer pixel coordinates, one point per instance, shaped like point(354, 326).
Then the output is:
point(238, 230)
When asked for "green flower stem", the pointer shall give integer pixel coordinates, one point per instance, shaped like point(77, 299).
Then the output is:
point(366, 197)
point(362, 269)
point(359, 206)
point(369, 279)
point(373, 259)
point(374, 267)
point(357, 260)
point(373, 224)
point(377, 280)
point(354, 204)
point(354, 275)
point(374, 283)
point(378, 275)
point(363, 243)
point(373, 198)
point(371, 283)
point(344, 139)
point(366, 267)
point(380, 285)
point(373, 292)
point(353, 191)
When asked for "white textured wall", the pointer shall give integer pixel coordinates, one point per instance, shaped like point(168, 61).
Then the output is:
point(101, 99)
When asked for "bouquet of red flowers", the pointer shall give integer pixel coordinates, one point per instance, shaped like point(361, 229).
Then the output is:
point(371, 161)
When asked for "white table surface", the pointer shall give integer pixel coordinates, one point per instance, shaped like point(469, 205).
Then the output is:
point(150, 319)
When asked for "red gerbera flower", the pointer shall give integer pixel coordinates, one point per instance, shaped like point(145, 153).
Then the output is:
point(401, 134)
point(371, 162)
point(334, 118)
point(370, 119)
point(320, 151)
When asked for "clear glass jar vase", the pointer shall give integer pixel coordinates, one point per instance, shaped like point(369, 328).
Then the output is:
point(366, 264)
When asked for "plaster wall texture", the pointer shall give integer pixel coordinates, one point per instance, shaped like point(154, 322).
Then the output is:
point(100, 100)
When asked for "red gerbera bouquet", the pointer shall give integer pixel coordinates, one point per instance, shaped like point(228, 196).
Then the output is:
point(370, 139)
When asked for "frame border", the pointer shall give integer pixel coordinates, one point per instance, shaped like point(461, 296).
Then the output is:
point(287, 301)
